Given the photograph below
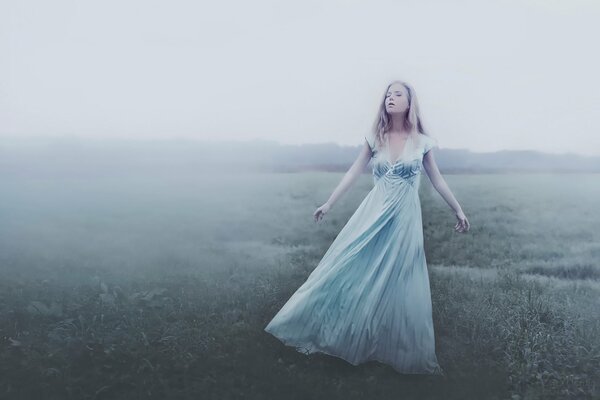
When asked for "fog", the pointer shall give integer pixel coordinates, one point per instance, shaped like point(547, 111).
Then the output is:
point(506, 75)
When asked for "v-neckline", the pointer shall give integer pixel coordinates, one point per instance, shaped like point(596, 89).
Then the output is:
point(402, 152)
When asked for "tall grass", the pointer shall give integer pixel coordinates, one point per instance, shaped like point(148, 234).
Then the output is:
point(152, 288)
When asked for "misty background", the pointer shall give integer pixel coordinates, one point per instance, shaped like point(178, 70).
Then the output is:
point(86, 158)
point(495, 76)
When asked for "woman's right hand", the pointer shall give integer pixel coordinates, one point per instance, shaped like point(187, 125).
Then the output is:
point(321, 211)
point(462, 225)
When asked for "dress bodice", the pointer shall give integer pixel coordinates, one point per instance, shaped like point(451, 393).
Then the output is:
point(407, 168)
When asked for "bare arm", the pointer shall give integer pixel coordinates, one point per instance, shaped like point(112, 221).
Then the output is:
point(352, 174)
point(347, 181)
point(439, 183)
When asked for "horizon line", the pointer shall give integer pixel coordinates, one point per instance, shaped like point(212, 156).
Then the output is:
point(250, 140)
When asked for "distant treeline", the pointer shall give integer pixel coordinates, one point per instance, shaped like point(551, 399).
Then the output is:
point(109, 157)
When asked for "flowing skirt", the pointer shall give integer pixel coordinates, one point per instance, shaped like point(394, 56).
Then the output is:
point(369, 298)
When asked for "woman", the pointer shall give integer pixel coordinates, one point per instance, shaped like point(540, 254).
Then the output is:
point(369, 297)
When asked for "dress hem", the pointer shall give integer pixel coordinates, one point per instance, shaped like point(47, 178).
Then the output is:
point(298, 346)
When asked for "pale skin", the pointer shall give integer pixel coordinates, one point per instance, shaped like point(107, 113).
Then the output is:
point(397, 106)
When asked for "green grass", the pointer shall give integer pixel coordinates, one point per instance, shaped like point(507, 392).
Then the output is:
point(152, 288)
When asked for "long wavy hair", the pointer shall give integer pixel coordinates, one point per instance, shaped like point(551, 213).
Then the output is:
point(383, 122)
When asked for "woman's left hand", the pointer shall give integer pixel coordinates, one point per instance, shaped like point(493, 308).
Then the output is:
point(462, 225)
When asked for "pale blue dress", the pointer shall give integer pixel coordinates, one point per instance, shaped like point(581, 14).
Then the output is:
point(369, 297)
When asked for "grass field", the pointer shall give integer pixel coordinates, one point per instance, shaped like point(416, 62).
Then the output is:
point(159, 288)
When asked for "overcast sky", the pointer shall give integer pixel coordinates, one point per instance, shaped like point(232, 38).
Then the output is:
point(520, 74)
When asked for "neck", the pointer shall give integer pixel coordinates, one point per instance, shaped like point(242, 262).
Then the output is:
point(398, 122)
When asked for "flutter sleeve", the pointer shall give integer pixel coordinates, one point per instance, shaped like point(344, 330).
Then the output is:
point(429, 144)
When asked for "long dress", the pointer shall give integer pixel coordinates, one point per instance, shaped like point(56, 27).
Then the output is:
point(369, 297)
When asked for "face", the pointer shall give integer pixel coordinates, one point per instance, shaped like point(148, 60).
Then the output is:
point(396, 99)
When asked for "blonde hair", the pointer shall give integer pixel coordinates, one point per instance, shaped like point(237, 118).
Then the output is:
point(412, 123)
